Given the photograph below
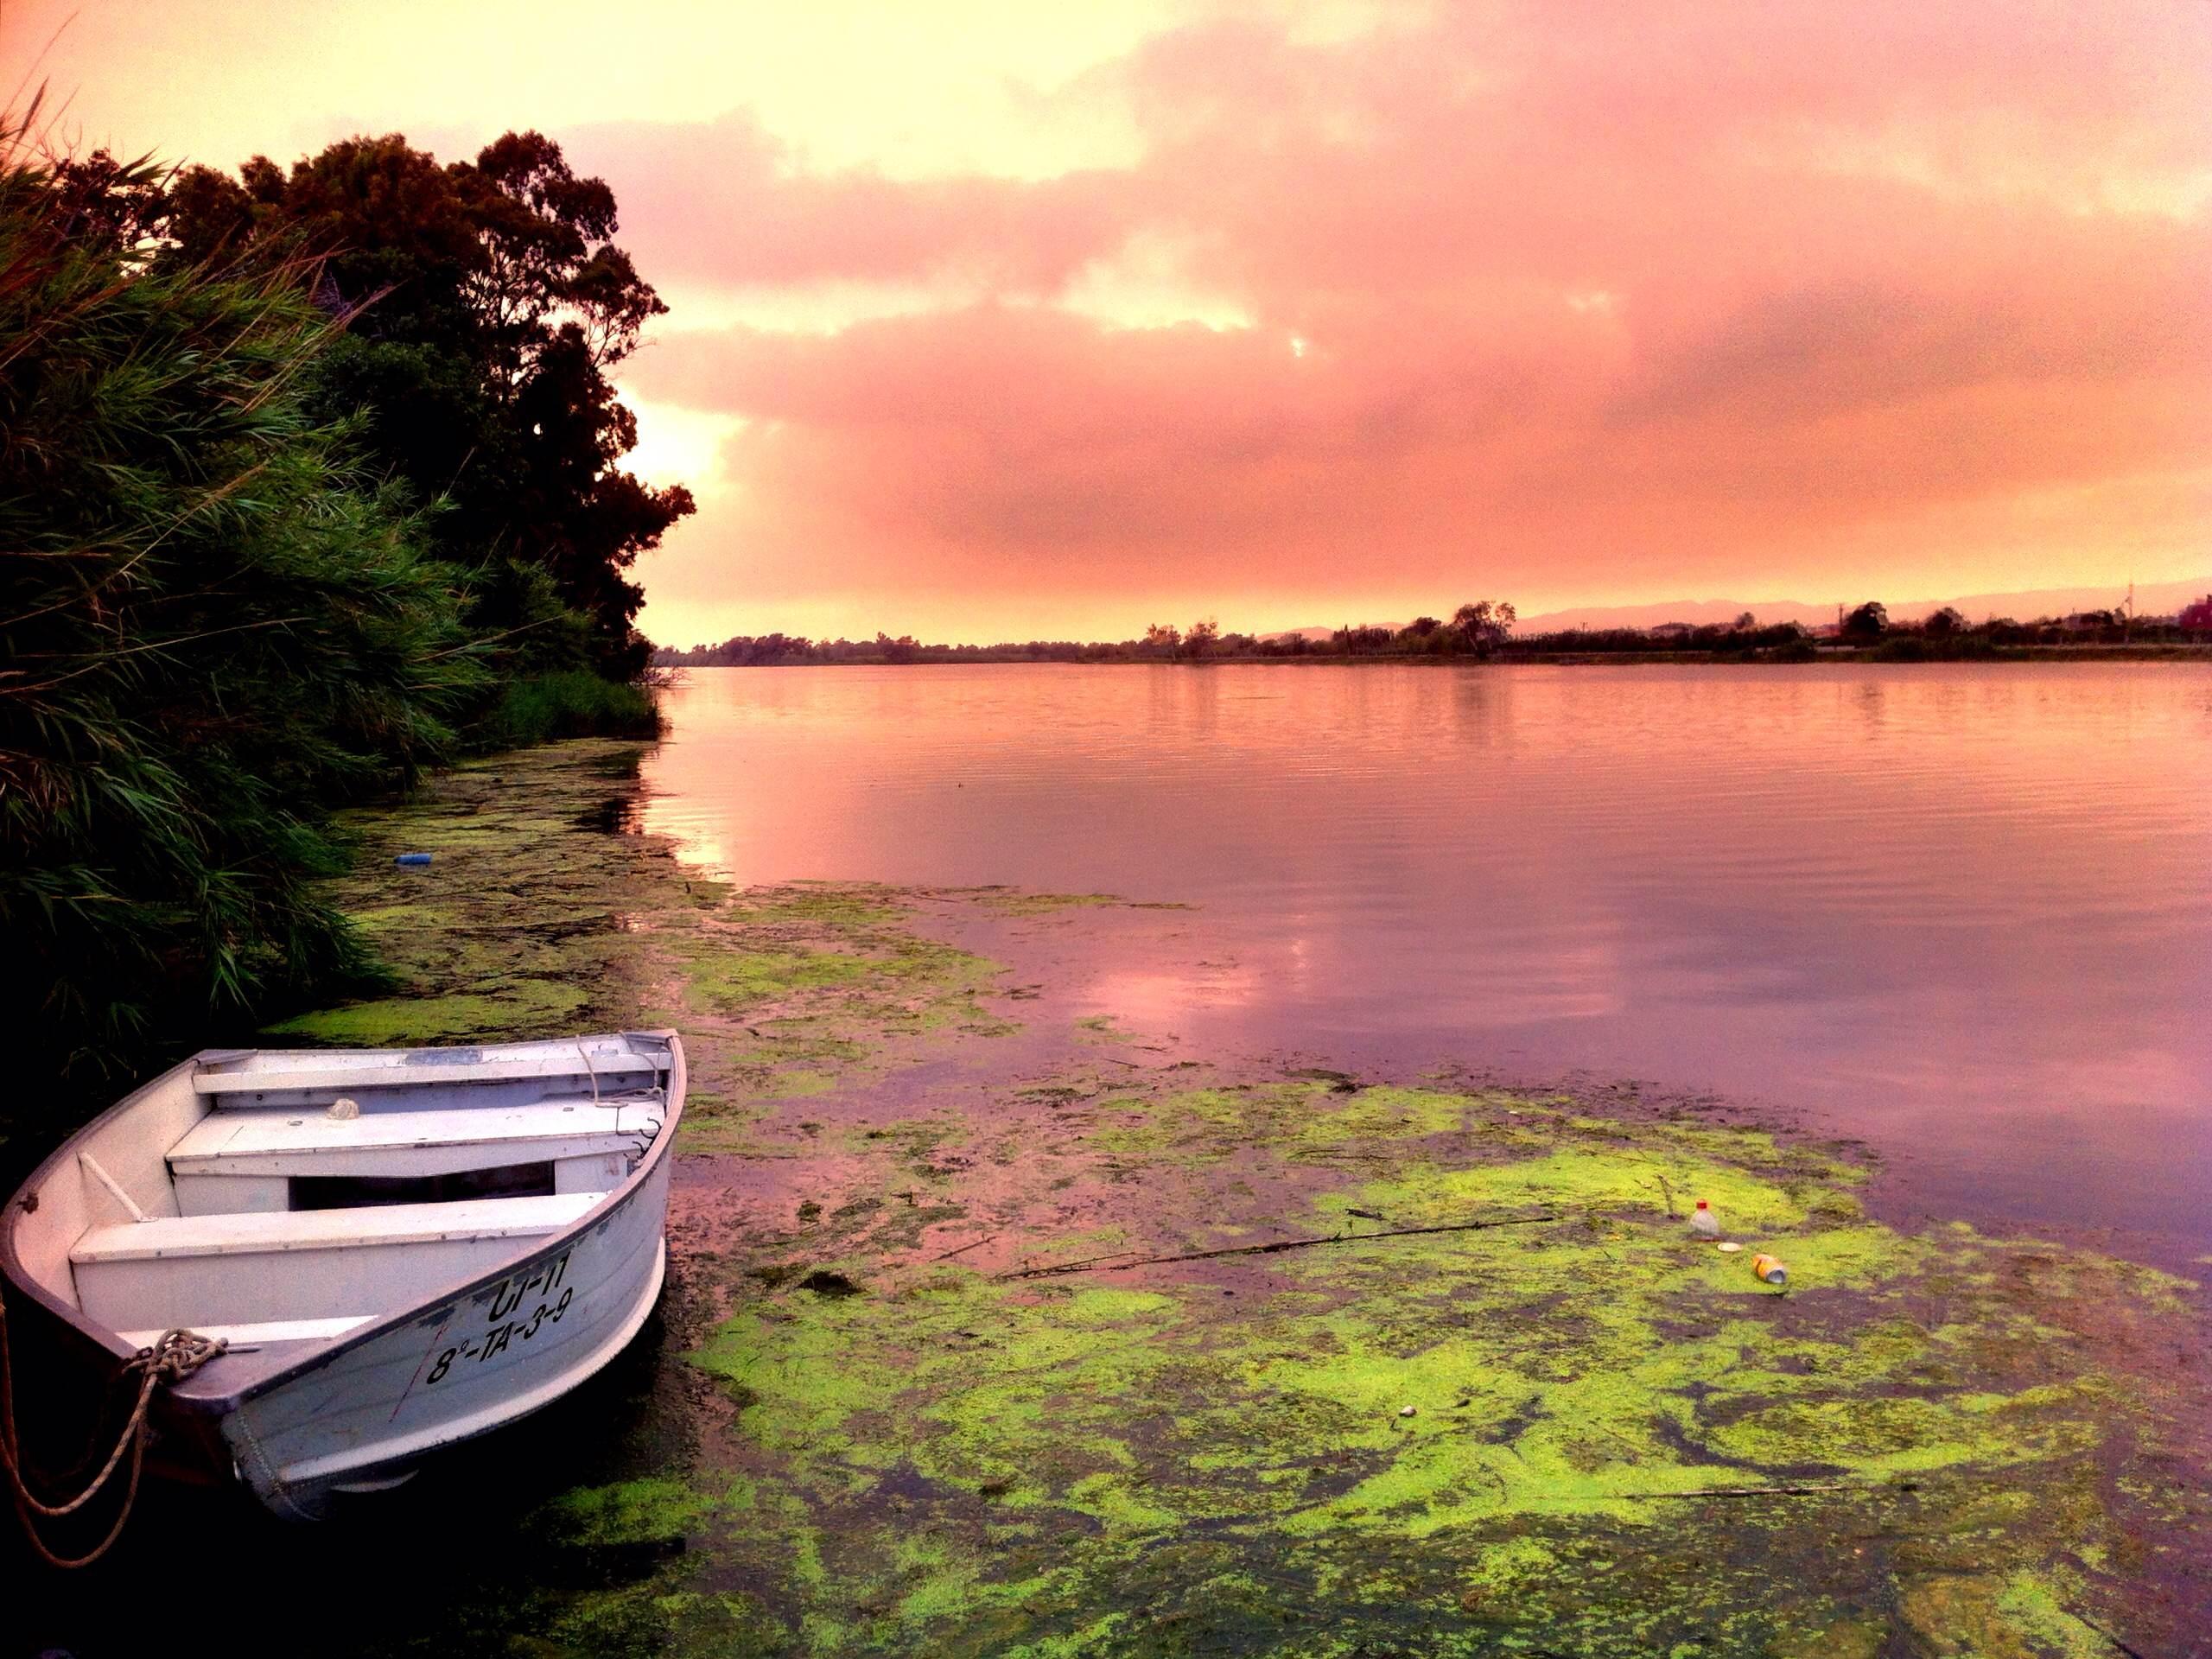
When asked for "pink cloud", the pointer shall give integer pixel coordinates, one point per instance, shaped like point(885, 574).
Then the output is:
point(724, 203)
point(1586, 301)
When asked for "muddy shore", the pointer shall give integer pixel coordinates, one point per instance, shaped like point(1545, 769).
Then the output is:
point(1440, 1369)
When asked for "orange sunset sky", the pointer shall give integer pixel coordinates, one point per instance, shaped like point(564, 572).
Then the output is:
point(1005, 320)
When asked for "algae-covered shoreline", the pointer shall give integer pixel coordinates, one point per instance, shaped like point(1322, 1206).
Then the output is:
point(918, 1389)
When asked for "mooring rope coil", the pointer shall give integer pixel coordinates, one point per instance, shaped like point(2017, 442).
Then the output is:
point(174, 1356)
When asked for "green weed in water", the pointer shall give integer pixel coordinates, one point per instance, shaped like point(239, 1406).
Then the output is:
point(1143, 1467)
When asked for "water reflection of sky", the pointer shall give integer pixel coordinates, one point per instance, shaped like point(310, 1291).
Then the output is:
point(1962, 910)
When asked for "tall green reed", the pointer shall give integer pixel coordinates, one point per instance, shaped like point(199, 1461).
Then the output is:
point(214, 625)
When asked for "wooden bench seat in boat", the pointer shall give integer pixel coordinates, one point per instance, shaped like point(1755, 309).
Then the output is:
point(243, 1161)
point(303, 1264)
point(405, 1080)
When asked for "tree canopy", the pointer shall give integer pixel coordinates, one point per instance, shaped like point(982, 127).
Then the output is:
point(485, 303)
point(1484, 625)
point(1869, 621)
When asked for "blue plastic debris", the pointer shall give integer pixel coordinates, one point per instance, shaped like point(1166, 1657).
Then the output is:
point(412, 858)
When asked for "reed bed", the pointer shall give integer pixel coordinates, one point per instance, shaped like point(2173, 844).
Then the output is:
point(215, 625)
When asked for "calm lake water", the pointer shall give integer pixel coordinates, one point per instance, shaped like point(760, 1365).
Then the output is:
point(1964, 913)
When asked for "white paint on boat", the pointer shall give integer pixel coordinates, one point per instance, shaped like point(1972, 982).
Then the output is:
point(178, 1237)
point(241, 1160)
point(302, 1264)
point(375, 1406)
point(241, 1075)
point(245, 1337)
point(279, 1142)
point(408, 1310)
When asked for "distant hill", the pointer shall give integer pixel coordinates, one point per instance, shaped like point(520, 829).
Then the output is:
point(2151, 599)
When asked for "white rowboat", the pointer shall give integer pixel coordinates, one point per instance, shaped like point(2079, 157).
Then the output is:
point(402, 1248)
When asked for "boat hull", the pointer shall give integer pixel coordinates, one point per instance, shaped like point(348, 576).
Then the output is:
point(295, 1420)
point(375, 1407)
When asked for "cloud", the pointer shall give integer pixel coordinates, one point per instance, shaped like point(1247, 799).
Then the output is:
point(1563, 303)
point(725, 203)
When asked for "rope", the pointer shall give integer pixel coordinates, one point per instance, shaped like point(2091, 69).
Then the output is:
point(583, 1048)
point(176, 1355)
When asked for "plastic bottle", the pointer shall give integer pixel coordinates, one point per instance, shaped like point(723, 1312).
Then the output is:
point(412, 858)
point(1770, 1271)
point(1703, 1222)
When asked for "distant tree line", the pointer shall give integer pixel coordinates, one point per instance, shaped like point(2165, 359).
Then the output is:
point(1483, 631)
point(1868, 630)
point(1477, 630)
point(308, 481)
point(1946, 634)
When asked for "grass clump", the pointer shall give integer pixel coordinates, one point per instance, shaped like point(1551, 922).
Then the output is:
point(571, 702)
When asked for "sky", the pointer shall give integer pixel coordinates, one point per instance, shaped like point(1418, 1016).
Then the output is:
point(1006, 321)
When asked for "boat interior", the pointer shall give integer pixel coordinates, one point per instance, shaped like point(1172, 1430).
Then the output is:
point(273, 1197)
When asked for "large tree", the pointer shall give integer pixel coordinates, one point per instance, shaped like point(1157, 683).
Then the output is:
point(487, 303)
point(1869, 621)
point(1483, 626)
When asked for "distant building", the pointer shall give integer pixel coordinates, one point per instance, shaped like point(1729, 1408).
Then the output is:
point(2197, 617)
point(1672, 631)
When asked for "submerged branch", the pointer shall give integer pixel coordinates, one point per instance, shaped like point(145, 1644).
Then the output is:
point(972, 1244)
point(1794, 1488)
point(1107, 1265)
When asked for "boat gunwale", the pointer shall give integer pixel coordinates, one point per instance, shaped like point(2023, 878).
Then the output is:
point(184, 1395)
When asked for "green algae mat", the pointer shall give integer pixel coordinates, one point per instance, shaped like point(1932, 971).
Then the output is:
point(1000, 1326)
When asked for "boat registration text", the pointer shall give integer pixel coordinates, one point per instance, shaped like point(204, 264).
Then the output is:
point(505, 1324)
